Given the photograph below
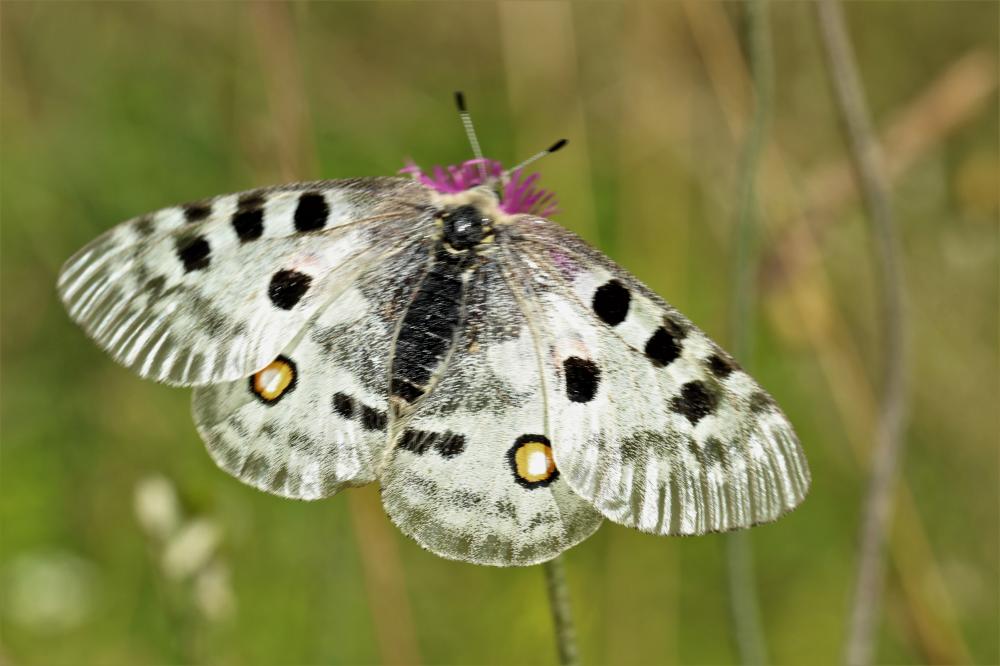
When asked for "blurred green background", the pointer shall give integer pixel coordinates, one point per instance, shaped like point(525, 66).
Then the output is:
point(122, 543)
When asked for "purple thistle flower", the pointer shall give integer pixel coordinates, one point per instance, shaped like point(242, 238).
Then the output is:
point(518, 195)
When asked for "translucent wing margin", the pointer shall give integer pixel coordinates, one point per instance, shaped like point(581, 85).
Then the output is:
point(212, 291)
point(652, 422)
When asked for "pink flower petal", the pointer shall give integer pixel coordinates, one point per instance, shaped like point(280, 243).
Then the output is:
point(519, 195)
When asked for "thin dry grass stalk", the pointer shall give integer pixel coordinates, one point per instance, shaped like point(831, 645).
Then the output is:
point(744, 606)
point(291, 121)
point(293, 144)
point(801, 306)
point(384, 579)
point(956, 96)
point(866, 153)
point(538, 45)
point(562, 616)
point(652, 38)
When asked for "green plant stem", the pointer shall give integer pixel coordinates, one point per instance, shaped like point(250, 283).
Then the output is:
point(866, 153)
point(744, 608)
point(562, 618)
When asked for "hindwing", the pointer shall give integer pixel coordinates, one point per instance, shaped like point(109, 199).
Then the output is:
point(471, 474)
point(315, 419)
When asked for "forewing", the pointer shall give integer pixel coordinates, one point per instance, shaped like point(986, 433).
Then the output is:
point(212, 291)
point(651, 420)
point(471, 476)
point(314, 420)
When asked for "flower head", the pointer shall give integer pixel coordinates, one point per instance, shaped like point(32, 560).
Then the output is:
point(518, 193)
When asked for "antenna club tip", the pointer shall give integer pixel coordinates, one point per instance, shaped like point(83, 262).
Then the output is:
point(557, 145)
point(460, 101)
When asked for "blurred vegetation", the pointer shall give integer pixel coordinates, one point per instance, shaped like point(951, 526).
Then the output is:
point(122, 543)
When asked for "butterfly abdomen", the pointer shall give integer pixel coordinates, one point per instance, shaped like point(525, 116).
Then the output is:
point(428, 329)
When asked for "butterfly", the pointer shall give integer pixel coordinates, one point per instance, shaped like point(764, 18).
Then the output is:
point(506, 384)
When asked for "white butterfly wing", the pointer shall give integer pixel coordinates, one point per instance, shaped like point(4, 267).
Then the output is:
point(652, 422)
point(471, 476)
point(314, 421)
point(569, 392)
point(213, 291)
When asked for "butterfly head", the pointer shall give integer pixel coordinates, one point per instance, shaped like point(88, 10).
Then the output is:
point(515, 192)
point(465, 227)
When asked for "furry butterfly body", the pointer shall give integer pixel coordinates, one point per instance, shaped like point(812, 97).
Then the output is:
point(507, 385)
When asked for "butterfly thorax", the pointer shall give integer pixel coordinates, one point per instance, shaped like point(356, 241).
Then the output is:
point(465, 228)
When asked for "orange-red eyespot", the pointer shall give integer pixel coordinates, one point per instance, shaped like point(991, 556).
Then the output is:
point(275, 380)
point(531, 461)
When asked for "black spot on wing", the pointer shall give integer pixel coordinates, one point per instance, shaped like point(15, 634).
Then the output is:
point(248, 220)
point(349, 408)
point(196, 212)
point(414, 441)
point(664, 346)
point(251, 200)
point(611, 302)
point(144, 225)
point(721, 366)
point(287, 288)
point(311, 212)
point(372, 419)
point(582, 378)
point(343, 404)
point(194, 252)
point(696, 401)
point(448, 444)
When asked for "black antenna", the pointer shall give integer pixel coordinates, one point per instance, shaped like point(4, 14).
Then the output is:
point(556, 146)
point(470, 132)
point(537, 156)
